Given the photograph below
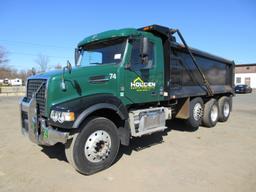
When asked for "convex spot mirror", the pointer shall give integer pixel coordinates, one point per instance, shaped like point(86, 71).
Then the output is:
point(69, 66)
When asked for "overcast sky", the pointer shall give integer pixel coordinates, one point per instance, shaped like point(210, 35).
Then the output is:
point(27, 28)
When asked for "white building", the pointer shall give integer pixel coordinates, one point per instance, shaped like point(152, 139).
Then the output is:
point(246, 74)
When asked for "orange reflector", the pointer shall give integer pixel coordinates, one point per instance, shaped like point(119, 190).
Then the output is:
point(71, 116)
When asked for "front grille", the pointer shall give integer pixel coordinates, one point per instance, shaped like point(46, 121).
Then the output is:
point(32, 86)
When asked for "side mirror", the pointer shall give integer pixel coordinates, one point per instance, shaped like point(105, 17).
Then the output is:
point(144, 50)
point(144, 43)
point(69, 66)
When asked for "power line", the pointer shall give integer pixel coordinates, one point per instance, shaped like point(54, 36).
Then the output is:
point(36, 44)
point(31, 54)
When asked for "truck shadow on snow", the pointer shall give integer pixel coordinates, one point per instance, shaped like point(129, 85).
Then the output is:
point(136, 144)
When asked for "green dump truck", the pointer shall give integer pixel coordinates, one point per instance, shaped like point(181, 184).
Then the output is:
point(126, 83)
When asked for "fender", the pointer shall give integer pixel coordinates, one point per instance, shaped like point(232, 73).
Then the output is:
point(96, 107)
point(84, 106)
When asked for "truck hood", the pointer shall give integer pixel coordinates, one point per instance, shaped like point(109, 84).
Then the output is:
point(47, 75)
point(78, 83)
point(75, 73)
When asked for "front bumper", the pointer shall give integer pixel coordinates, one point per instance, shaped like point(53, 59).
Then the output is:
point(35, 128)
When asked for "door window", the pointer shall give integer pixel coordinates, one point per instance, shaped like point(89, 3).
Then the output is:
point(136, 60)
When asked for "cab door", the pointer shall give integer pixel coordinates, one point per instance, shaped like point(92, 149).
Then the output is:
point(142, 83)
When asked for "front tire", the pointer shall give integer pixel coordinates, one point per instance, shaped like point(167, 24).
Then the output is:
point(95, 147)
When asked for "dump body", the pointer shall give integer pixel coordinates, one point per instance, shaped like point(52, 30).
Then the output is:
point(185, 79)
point(182, 78)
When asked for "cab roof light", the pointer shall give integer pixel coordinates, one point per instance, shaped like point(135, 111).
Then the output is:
point(147, 28)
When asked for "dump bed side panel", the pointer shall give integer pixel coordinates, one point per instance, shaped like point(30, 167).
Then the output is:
point(185, 79)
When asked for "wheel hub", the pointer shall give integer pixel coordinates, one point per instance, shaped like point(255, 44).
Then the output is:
point(197, 111)
point(214, 113)
point(226, 109)
point(97, 146)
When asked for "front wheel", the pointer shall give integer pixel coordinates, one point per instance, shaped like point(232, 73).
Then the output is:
point(95, 147)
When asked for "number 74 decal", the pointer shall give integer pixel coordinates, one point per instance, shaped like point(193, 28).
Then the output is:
point(112, 75)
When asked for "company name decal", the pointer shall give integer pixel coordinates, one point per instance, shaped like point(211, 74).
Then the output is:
point(139, 85)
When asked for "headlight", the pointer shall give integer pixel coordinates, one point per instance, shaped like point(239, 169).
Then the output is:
point(62, 116)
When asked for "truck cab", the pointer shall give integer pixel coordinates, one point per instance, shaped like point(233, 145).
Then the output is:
point(117, 59)
point(119, 88)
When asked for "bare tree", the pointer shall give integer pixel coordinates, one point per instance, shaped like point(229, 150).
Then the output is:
point(3, 56)
point(9, 72)
point(23, 74)
point(5, 72)
point(58, 66)
point(5, 69)
point(42, 61)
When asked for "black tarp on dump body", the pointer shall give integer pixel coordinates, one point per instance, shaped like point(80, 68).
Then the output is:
point(186, 80)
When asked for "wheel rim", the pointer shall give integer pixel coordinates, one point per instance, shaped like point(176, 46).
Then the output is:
point(197, 111)
point(226, 109)
point(97, 146)
point(214, 113)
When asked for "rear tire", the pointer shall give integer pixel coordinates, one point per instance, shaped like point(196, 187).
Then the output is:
point(224, 108)
point(211, 113)
point(196, 113)
point(95, 147)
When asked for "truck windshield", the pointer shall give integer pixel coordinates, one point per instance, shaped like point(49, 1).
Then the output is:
point(104, 52)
